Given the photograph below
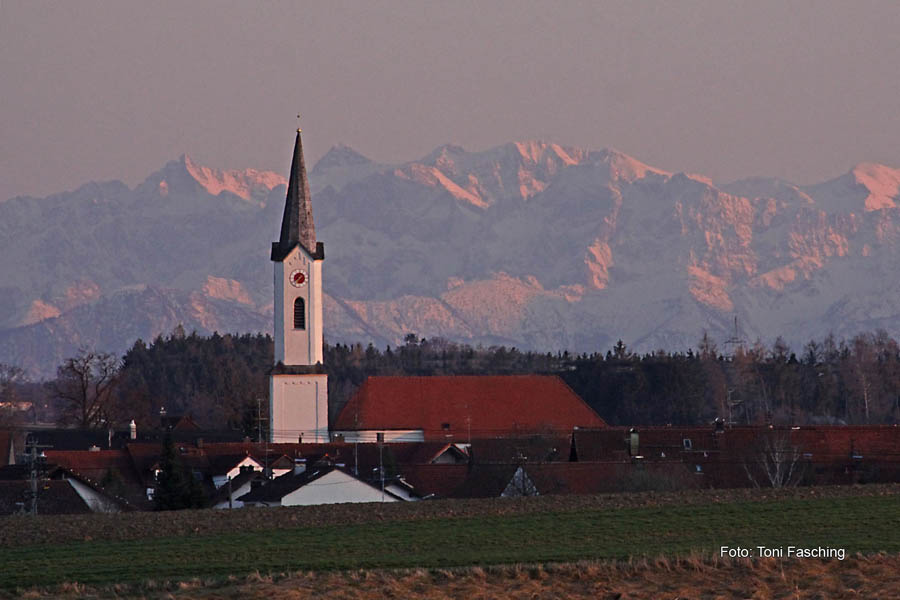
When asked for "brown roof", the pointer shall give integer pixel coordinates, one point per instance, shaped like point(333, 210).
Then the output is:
point(437, 480)
point(54, 498)
point(533, 449)
point(459, 407)
point(110, 471)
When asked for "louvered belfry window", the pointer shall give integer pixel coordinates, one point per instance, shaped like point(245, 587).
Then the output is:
point(299, 314)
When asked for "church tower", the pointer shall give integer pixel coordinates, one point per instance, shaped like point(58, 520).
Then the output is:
point(298, 386)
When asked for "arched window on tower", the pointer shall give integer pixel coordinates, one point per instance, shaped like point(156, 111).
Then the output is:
point(299, 314)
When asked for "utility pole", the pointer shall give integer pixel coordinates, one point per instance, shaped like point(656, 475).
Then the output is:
point(356, 443)
point(35, 469)
point(380, 438)
point(259, 437)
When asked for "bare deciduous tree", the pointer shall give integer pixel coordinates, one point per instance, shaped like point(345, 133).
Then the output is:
point(85, 383)
point(774, 462)
point(10, 377)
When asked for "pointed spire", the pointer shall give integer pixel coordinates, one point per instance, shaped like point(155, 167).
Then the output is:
point(297, 223)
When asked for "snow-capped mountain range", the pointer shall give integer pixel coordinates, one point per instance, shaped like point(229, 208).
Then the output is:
point(530, 244)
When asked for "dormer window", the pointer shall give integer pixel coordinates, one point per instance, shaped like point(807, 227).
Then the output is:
point(299, 314)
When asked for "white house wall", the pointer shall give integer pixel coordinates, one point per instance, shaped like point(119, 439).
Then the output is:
point(370, 436)
point(235, 494)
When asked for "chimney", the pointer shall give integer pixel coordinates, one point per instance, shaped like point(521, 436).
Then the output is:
point(633, 443)
point(132, 430)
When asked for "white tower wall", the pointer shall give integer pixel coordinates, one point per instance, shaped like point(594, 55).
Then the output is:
point(298, 385)
point(298, 346)
point(299, 407)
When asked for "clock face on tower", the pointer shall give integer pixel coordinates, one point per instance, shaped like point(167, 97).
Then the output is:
point(298, 278)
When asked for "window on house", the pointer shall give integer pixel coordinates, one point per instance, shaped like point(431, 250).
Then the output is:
point(687, 443)
point(299, 314)
point(445, 426)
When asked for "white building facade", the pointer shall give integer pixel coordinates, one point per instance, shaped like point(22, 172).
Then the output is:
point(298, 385)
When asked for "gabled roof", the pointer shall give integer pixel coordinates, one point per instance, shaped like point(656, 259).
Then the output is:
point(220, 464)
point(278, 488)
point(297, 226)
point(221, 495)
point(54, 498)
point(179, 423)
point(426, 453)
point(459, 407)
point(110, 472)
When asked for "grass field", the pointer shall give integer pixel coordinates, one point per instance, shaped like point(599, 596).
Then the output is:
point(866, 524)
point(692, 578)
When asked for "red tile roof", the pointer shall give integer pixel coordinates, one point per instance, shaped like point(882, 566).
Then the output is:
point(453, 407)
point(93, 465)
point(438, 480)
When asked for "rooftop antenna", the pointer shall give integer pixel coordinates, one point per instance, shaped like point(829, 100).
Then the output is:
point(298, 123)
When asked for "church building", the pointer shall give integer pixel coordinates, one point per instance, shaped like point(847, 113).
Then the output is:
point(399, 409)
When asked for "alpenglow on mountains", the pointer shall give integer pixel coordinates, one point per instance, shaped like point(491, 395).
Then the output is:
point(530, 244)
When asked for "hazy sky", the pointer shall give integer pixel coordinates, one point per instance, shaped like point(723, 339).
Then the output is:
point(113, 90)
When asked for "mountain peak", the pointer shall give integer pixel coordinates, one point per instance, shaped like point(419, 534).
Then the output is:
point(340, 155)
point(536, 151)
point(241, 183)
point(625, 167)
point(184, 174)
point(882, 183)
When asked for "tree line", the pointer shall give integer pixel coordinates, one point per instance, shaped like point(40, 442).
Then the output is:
point(222, 380)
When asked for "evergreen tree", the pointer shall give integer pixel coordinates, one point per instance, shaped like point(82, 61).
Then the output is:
point(176, 487)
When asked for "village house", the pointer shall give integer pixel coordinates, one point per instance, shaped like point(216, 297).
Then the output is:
point(319, 485)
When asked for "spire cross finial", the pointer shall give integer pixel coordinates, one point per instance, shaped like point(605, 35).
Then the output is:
point(298, 123)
